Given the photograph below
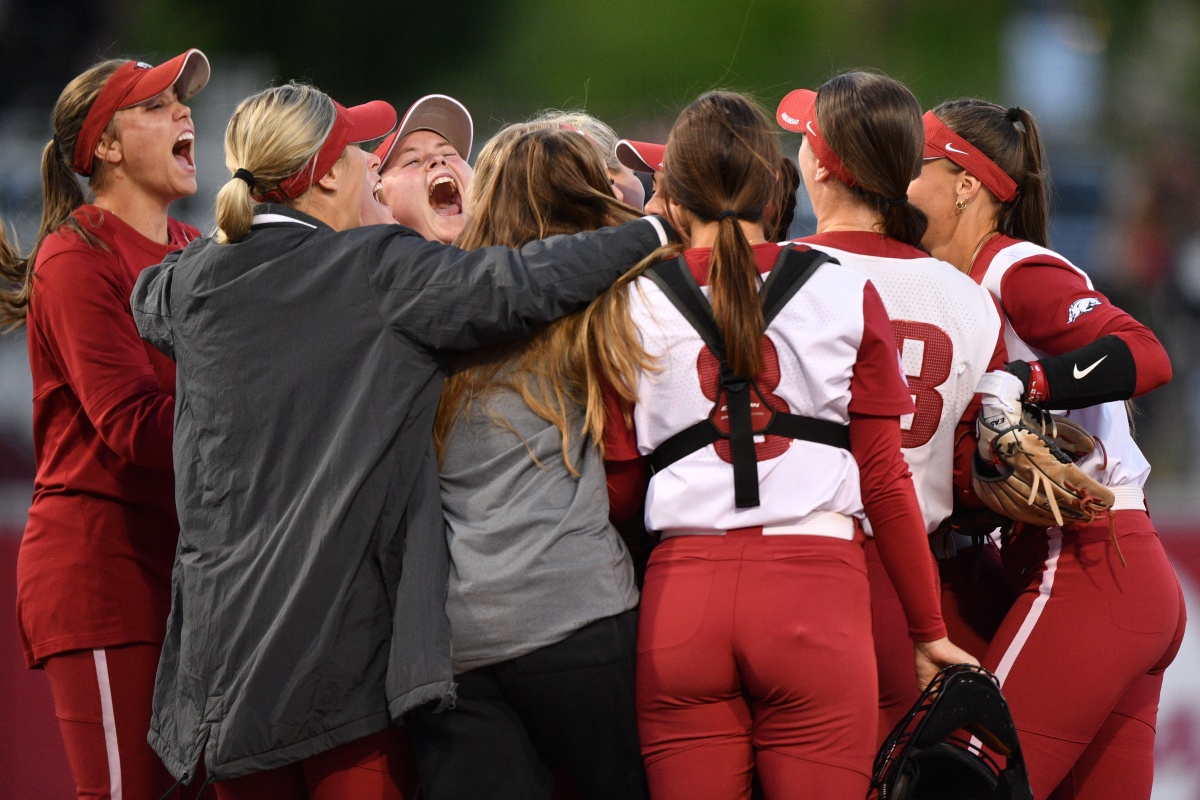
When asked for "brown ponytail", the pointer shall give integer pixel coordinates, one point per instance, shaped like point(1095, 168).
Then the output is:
point(721, 165)
point(873, 123)
point(61, 193)
point(1010, 138)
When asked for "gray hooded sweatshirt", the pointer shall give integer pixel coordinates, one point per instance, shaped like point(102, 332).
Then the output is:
point(309, 588)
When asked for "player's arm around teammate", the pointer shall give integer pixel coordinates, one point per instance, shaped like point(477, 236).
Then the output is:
point(308, 354)
point(94, 567)
point(1103, 592)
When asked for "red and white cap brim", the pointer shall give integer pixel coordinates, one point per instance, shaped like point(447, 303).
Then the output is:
point(439, 113)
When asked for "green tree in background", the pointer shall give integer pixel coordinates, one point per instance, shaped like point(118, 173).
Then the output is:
point(622, 60)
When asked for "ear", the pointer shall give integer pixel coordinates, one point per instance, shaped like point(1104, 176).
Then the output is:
point(680, 219)
point(821, 174)
point(330, 180)
point(967, 187)
point(109, 150)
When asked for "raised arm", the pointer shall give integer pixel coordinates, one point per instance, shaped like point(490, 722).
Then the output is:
point(444, 297)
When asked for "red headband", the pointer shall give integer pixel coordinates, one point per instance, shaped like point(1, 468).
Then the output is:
point(351, 126)
point(798, 112)
point(136, 82)
point(941, 142)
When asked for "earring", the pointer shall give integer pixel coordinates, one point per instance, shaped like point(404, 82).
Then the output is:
point(960, 206)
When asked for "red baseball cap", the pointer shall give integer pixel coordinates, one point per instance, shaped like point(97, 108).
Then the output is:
point(352, 126)
point(641, 156)
point(798, 112)
point(136, 82)
point(941, 142)
point(439, 113)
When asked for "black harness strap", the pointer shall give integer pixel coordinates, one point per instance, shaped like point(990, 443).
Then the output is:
point(789, 274)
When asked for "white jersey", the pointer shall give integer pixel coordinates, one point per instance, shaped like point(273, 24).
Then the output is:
point(1118, 462)
point(809, 362)
point(947, 329)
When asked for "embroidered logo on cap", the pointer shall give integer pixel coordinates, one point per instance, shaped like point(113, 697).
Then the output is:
point(810, 127)
point(789, 119)
point(142, 65)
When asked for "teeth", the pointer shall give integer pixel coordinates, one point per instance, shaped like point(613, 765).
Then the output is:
point(439, 181)
point(186, 137)
point(378, 192)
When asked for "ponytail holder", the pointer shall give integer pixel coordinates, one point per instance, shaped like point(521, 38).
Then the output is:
point(897, 202)
point(729, 212)
point(1014, 116)
point(246, 175)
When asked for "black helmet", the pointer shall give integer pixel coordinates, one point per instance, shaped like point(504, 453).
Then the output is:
point(946, 747)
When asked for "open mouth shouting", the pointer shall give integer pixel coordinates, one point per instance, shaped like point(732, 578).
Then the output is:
point(444, 196)
point(184, 150)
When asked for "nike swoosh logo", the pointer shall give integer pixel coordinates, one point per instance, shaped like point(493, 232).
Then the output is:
point(1082, 373)
point(810, 127)
point(954, 149)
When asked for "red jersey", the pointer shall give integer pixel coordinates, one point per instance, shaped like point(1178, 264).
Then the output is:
point(94, 568)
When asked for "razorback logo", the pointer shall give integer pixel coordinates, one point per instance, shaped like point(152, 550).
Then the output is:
point(1082, 306)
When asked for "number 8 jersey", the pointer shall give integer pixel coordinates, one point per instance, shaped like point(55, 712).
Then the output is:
point(827, 353)
point(949, 334)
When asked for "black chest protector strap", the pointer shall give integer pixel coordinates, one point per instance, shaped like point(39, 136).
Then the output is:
point(742, 398)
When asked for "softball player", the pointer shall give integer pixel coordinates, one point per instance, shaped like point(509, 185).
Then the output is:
point(1099, 594)
point(754, 638)
point(94, 569)
point(862, 145)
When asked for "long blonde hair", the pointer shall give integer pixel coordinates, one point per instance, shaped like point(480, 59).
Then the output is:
point(273, 135)
point(532, 182)
point(61, 192)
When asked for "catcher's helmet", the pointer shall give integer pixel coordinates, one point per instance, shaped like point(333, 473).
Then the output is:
point(946, 747)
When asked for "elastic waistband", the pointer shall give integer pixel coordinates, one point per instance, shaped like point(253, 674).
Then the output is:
point(821, 523)
point(1128, 498)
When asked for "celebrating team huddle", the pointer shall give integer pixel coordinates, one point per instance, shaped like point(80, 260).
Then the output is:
point(418, 480)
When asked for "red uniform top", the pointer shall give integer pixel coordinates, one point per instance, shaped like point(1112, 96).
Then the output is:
point(878, 398)
point(94, 568)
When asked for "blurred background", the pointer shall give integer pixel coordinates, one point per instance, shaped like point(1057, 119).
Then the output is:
point(1115, 86)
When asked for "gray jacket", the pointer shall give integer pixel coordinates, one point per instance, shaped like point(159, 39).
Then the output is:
point(310, 579)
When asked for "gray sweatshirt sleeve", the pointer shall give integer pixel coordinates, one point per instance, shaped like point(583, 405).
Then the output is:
point(444, 297)
point(151, 305)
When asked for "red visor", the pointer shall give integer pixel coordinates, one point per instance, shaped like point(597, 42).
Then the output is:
point(798, 112)
point(352, 125)
point(641, 156)
point(136, 82)
point(941, 142)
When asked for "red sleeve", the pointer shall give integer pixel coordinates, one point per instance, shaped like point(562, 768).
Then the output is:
point(877, 387)
point(896, 521)
point(965, 437)
point(1038, 299)
point(627, 470)
point(84, 309)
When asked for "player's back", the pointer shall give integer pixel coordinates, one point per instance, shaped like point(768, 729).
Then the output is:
point(948, 333)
